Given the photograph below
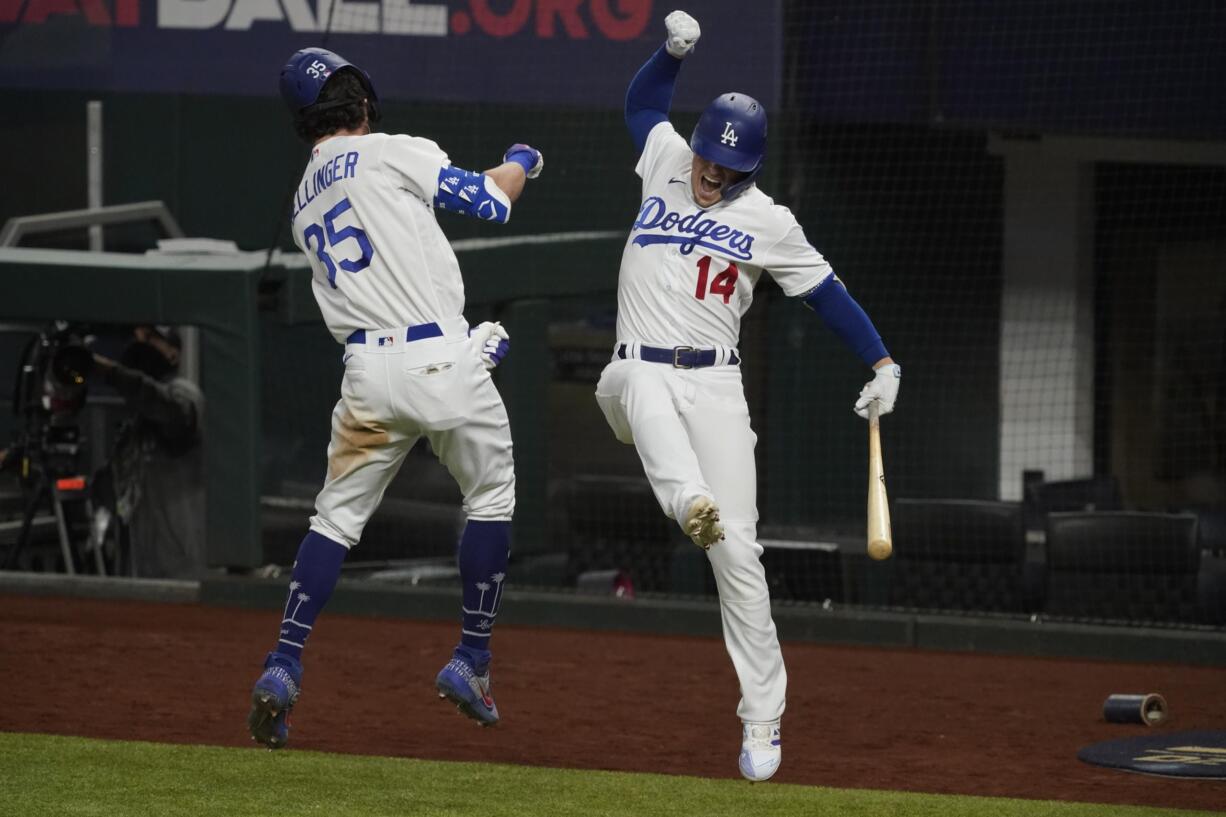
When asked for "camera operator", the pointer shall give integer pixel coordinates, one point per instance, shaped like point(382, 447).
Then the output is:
point(155, 474)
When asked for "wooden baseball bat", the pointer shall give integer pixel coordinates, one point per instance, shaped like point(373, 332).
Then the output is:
point(880, 540)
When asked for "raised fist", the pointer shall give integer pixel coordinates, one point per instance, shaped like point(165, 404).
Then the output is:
point(527, 157)
point(683, 33)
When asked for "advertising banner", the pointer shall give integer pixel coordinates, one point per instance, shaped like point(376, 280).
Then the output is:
point(533, 52)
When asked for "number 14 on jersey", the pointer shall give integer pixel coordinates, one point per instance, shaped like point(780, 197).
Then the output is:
point(724, 283)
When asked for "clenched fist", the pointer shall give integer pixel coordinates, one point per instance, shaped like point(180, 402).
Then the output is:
point(683, 33)
point(528, 157)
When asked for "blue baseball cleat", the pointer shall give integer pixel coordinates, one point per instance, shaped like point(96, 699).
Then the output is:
point(273, 698)
point(460, 683)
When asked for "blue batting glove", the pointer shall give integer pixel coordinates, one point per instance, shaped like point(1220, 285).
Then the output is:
point(527, 157)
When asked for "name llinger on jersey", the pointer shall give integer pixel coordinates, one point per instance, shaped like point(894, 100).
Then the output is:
point(344, 166)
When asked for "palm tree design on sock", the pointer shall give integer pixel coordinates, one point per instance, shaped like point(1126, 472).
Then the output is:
point(487, 616)
point(293, 585)
point(290, 616)
point(302, 597)
point(497, 579)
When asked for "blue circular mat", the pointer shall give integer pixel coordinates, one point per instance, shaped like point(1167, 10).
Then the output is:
point(1174, 754)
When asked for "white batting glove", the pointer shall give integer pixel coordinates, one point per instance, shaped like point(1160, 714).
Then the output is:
point(883, 388)
point(490, 342)
point(683, 34)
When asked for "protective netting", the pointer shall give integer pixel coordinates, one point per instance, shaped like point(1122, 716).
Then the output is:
point(1029, 199)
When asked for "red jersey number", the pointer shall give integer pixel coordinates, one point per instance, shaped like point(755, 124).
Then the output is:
point(724, 283)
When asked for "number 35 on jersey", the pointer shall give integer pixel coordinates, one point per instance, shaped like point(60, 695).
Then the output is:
point(364, 251)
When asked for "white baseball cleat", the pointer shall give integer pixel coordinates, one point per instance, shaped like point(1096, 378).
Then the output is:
point(702, 523)
point(761, 751)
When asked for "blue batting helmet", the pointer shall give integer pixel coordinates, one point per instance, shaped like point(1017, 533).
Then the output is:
point(732, 132)
point(304, 76)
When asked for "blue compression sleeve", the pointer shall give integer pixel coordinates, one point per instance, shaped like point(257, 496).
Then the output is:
point(832, 302)
point(650, 95)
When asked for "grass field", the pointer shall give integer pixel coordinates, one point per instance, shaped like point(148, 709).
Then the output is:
point(45, 775)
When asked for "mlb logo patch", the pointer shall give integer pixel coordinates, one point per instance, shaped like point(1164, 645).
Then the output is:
point(387, 340)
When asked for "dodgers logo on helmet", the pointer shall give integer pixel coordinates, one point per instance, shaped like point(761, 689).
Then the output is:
point(306, 72)
point(732, 132)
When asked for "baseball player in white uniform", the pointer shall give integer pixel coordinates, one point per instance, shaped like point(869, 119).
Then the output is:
point(703, 237)
point(389, 287)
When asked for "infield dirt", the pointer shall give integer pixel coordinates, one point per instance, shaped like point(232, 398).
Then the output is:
point(857, 717)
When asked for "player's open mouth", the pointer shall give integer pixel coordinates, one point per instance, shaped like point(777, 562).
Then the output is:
point(708, 185)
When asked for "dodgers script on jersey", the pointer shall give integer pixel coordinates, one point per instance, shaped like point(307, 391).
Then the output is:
point(688, 274)
point(357, 197)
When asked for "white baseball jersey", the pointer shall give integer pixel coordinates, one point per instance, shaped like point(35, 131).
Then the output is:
point(364, 216)
point(359, 198)
point(687, 277)
point(688, 274)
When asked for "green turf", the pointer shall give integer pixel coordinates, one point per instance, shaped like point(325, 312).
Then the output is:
point(45, 775)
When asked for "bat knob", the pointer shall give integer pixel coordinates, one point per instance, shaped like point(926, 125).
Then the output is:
point(880, 549)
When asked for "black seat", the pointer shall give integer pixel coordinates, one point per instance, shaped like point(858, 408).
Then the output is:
point(1211, 530)
point(1099, 493)
point(613, 522)
point(958, 554)
point(1122, 565)
point(1211, 581)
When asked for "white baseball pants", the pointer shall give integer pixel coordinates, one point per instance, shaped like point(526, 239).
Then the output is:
point(396, 393)
point(691, 430)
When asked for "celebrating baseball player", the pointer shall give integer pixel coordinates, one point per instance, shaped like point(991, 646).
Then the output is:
point(389, 287)
point(703, 236)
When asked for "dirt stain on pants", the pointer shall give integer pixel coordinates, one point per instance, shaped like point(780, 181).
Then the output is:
point(354, 441)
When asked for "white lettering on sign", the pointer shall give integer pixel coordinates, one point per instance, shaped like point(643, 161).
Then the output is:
point(191, 13)
point(366, 16)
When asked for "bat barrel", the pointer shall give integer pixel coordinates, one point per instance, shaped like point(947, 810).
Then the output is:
point(880, 538)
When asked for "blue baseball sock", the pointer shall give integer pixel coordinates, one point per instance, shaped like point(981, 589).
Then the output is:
point(484, 550)
point(316, 569)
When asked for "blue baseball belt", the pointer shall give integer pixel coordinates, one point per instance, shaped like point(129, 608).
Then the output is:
point(419, 331)
point(680, 357)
